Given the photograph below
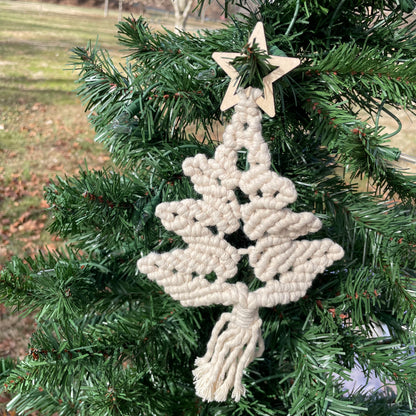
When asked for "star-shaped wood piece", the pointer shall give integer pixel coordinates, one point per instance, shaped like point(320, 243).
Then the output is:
point(283, 64)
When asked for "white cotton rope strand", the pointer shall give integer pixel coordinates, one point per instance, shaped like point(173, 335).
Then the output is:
point(284, 264)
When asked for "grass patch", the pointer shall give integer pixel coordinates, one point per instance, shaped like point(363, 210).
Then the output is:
point(43, 128)
point(44, 131)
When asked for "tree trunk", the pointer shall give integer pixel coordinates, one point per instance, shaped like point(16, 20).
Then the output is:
point(120, 9)
point(105, 8)
point(202, 15)
point(182, 9)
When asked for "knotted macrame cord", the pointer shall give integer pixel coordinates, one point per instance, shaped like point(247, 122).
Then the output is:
point(236, 338)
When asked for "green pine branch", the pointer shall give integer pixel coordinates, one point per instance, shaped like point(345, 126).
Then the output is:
point(110, 342)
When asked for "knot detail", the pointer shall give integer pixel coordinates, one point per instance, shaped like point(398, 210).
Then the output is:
point(199, 274)
point(235, 341)
point(244, 317)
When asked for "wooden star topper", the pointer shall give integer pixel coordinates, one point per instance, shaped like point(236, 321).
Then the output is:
point(283, 64)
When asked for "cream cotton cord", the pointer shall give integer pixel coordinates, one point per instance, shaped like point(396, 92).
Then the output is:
point(285, 265)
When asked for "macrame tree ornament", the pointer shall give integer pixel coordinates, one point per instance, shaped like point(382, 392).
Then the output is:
point(285, 265)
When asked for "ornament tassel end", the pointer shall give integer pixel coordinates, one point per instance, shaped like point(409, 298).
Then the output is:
point(232, 347)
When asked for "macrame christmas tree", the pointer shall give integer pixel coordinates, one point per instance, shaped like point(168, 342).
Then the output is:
point(285, 265)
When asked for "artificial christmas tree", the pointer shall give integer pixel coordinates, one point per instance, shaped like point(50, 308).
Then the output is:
point(110, 341)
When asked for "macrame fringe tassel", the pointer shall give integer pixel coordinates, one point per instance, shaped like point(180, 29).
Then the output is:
point(229, 351)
